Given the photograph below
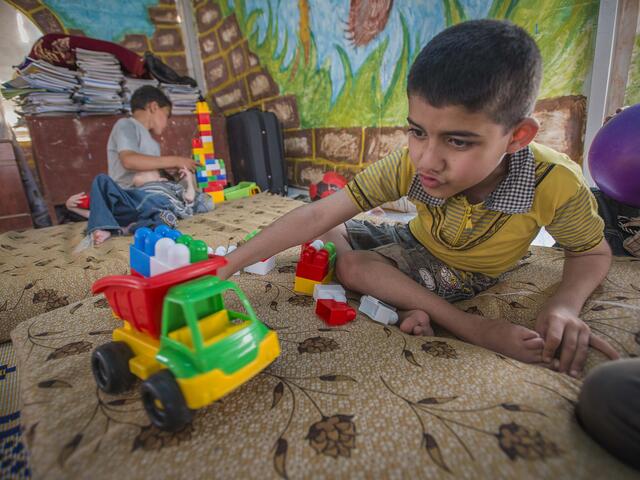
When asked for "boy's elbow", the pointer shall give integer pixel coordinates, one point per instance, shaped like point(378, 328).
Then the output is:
point(126, 160)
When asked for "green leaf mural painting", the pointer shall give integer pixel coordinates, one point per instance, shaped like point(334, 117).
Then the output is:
point(346, 62)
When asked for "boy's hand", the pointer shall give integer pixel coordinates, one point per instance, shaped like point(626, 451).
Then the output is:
point(74, 200)
point(562, 329)
point(185, 173)
point(184, 162)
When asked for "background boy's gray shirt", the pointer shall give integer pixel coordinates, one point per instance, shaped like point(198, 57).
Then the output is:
point(128, 134)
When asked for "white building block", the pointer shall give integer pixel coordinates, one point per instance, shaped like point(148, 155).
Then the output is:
point(262, 268)
point(329, 292)
point(169, 256)
point(377, 310)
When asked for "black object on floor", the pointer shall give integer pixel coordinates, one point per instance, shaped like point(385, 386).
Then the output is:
point(256, 149)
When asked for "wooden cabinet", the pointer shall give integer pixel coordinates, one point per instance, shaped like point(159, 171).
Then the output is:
point(14, 208)
point(70, 151)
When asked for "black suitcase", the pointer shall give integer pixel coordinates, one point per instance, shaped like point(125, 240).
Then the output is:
point(256, 149)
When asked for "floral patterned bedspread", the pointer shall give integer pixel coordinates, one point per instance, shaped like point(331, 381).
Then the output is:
point(362, 400)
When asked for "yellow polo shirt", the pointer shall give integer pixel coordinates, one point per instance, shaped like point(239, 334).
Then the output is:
point(543, 188)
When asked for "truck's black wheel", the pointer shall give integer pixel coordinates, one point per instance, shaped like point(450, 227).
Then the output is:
point(110, 366)
point(164, 402)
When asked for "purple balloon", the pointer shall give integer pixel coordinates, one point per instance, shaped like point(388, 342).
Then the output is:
point(614, 157)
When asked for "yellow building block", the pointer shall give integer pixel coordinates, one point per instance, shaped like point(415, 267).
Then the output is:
point(306, 286)
point(202, 107)
point(217, 197)
point(204, 127)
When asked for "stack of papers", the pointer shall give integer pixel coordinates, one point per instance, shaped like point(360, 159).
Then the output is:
point(100, 78)
point(130, 85)
point(40, 88)
point(183, 97)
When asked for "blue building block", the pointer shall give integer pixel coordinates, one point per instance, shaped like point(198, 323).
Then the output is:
point(144, 244)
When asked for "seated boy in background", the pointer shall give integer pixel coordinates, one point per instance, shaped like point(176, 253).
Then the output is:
point(482, 191)
point(136, 193)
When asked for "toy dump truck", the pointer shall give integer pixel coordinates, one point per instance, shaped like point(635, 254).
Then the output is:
point(177, 335)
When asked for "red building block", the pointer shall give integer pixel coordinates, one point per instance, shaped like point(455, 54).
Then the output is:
point(204, 118)
point(334, 313)
point(196, 143)
point(313, 264)
point(84, 202)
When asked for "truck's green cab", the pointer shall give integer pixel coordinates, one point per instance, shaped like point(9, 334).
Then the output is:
point(200, 335)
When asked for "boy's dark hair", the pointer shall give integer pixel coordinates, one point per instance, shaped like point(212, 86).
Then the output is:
point(484, 65)
point(147, 94)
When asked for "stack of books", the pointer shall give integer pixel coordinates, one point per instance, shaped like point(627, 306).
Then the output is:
point(98, 87)
point(100, 78)
point(183, 98)
point(42, 88)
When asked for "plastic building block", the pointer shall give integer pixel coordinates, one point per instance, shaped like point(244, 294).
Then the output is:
point(84, 202)
point(250, 235)
point(378, 311)
point(334, 313)
point(217, 197)
point(169, 256)
point(263, 267)
point(316, 260)
point(329, 292)
point(306, 286)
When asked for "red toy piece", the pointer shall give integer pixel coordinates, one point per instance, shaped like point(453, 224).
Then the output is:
point(331, 182)
point(84, 202)
point(313, 264)
point(334, 313)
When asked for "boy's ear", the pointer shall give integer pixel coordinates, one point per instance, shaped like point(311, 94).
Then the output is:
point(523, 134)
point(152, 106)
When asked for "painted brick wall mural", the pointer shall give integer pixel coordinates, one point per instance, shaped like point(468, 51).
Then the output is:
point(139, 25)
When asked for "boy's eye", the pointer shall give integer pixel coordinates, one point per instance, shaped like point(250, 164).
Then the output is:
point(414, 132)
point(456, 142)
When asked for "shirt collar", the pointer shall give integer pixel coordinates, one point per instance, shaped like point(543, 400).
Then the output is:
point(513, 195)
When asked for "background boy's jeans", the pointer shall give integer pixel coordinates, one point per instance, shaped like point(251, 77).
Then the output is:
point(113, 207)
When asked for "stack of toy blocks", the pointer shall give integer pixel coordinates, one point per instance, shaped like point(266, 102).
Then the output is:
point(210, 172)
point(158, 251)
point(315, 266)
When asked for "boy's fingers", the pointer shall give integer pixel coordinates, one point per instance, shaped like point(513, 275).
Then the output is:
point(569, 346)
point(552, 341)
point(604, 346)
point(581, 354)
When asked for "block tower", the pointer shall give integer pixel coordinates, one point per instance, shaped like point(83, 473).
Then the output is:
point(210, 172)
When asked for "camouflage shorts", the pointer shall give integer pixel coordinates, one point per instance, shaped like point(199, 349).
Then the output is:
point(397, 243)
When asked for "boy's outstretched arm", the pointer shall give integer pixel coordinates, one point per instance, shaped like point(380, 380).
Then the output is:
point(137, 161)
point(559, 322)
point(296, 227)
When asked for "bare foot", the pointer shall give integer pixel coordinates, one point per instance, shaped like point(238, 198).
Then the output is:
point(512, 340)
point(415, 322)
point(100, 236)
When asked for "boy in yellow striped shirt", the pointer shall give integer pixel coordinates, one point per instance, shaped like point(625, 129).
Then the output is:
point(482, 191)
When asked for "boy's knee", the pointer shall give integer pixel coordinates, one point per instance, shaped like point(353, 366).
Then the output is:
point(608, 387)
point(347, 268)
point(606, 412)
